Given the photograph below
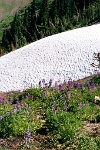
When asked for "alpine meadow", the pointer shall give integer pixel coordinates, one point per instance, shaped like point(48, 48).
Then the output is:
point(49, 74)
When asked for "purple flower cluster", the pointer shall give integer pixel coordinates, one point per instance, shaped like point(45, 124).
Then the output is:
point(44, 84)
point(53, 105)
point(10, 101)
point(27, 138)
point(2, 100)
point(65, 106)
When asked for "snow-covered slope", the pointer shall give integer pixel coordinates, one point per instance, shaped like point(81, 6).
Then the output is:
point(64, 55)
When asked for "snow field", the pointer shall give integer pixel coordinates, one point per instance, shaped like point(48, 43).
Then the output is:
point(61, 56)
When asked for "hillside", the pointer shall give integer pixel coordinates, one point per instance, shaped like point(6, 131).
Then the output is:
point(43, 18)
point(10, 7)
point(61, 56)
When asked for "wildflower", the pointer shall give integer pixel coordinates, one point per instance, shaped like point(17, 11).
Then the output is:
point(7, 95)
point(60, 97)
point(61, 88)
point(17, 99)
point(53, 105)
point(14, 110)
point(2, 100)
point(23, 97)
point(45, 93)
point(43, 81)
point(57, 83)
point(0, 118)
point(65, 108)
point(26, 96)
point(70, 83)
point(27, 138)
point(50, 82)
point(7, 113)
point(40, 84)
point(78, 86)
point(80, 105)
point(18, 103)
point(10, 101)
point(22, 105)
point(28, 135)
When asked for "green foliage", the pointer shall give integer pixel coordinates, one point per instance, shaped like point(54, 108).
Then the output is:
point(62, 125)
point(88, 143)
point(58, 112)
point(13, 123)
point(96, 79)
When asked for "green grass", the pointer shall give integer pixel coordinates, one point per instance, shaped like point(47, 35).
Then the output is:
point(55, 112)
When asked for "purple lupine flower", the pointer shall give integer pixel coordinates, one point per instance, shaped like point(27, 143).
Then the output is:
point(80, 105)
point(40, 84)
point(15, 110)
point(17, 102)
point(70, 83)
point(27, 138)
point(26, 96)
point(96, 84)
point(78, 86)
point(17, 99)
point(45, 93)
point(28, 135)
point(7, 95)
point(60, 97)
point(95, 101)
point(18, 91)
point(2, 100)
point(43, 81)
point(7, 112)
point(22, 105)
point(0, 118)
point(93, 85)
point(10, 101)
point(50, 82)
point(57, 83)
point(82, 86)
point(75, 84)
point(61, 88)
point(53, 105)
point(65, 108)
point(23, 97)
point(88, 88)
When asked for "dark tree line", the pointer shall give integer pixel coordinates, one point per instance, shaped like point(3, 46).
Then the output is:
point(47, 17)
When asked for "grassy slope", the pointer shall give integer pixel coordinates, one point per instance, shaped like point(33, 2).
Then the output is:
point(9, 7)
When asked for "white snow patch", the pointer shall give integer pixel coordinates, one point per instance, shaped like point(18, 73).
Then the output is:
point(60, 56)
